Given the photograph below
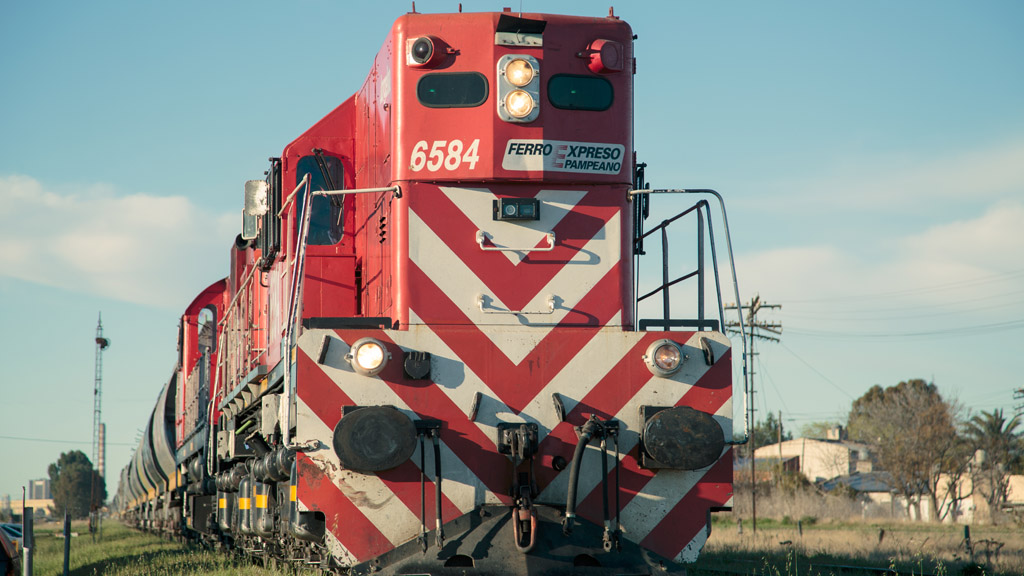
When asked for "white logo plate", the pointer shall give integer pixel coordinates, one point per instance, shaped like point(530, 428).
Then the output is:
point(561, 156)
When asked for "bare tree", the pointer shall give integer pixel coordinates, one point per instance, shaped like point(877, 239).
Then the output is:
point(912, 432)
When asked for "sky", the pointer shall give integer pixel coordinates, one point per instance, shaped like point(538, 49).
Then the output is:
point(871, 156)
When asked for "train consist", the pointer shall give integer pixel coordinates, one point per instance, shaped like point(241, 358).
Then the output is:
point(427, 355)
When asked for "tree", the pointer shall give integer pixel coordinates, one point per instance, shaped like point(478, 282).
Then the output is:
point(71, 482)
point(1000, 451)
point(912, 432)
point(767, 432)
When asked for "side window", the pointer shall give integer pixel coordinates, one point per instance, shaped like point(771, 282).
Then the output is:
point(207, 329)
point(326, 220)
point(269, 240)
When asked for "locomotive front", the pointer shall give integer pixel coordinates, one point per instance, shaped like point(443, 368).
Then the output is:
point(428, 357)
point(492, 405)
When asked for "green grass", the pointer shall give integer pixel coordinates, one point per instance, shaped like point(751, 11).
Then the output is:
point(122, 551)
point(775, 550)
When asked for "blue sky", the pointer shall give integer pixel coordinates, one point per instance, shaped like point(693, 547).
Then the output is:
point(871, 155)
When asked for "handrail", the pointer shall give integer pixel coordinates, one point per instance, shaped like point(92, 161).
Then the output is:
point(482, 236)
point(288, 200)
point(298, 265)
point(735, 281)
point(549, 302)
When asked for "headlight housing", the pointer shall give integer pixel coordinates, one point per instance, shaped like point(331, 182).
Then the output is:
point(368, 356)
point(664, 357)
point(518, 88)
point(519, 72)
point(519, 104)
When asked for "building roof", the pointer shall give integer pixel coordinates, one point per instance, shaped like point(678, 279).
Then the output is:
point(861, 482)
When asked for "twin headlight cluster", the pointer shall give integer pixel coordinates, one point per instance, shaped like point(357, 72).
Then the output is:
point(518, 88)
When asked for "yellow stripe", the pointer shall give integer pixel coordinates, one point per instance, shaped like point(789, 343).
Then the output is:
point(261, 500)
point(223, 503)
point(294, 490)
point(243, 503)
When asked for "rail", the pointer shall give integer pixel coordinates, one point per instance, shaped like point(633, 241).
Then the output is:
point(241, 328)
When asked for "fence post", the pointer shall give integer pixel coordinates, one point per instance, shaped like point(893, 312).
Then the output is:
point(967, 542)
point(67, 541)
point(27, 539)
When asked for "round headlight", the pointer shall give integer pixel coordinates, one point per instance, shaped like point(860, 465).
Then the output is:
point(368, 356)
point(519, 72)
point(519, 104)
point(663, 358)
point(421, 50)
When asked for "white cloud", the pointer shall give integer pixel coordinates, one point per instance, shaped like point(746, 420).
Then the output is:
point(907, 182)
point(136, 247)
point(965, 272)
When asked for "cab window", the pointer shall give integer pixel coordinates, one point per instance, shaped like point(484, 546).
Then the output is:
point(571, 92)
point(452, 90)
point(326, 220)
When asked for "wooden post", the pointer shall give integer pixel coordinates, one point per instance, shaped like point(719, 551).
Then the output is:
point(67, 541)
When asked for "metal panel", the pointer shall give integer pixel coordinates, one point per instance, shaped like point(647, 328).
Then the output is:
point(163, 432)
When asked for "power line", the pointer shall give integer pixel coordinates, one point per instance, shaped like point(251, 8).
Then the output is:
point(50, 440)
point(816, 371)
point(923, 290)
point(937, 333)
point(896, 313)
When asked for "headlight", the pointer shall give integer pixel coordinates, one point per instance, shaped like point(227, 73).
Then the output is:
point(368, 356)
point(663, 358)
point(421, 50)
point(424, 52)
point(519, 72)
point(519, 104)
point(518, 88)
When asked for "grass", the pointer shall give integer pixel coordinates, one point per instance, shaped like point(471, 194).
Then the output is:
point(122, 551)
point(778, 548)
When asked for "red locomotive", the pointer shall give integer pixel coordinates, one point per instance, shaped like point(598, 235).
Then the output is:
point(427, 356)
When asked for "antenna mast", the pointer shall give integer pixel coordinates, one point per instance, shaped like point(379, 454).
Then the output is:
point(97, 425)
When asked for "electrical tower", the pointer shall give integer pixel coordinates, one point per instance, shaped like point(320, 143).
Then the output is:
point(98, 441)
point(754, 331)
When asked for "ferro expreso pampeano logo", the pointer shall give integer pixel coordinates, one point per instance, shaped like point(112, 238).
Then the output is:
point(561, 156)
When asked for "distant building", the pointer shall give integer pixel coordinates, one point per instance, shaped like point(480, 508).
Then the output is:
point(39, 489)
point(819, 460)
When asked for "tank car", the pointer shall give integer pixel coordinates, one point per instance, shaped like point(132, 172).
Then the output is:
point(428, 356)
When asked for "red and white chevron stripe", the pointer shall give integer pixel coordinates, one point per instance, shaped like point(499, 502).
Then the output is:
point(515, 363)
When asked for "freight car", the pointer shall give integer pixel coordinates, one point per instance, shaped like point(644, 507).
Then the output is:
point(428, 356)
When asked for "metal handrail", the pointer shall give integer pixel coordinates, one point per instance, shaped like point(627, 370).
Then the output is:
point(298, 266)
point(732, 265)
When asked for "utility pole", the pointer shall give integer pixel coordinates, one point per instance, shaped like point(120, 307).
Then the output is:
point(779, 477)
point(1018, 394)
point(98, 441)
point(754, 331)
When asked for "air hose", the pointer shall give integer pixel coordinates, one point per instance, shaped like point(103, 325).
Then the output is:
point(587, 431)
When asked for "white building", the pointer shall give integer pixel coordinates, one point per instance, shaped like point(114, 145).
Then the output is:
point(820, 460)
